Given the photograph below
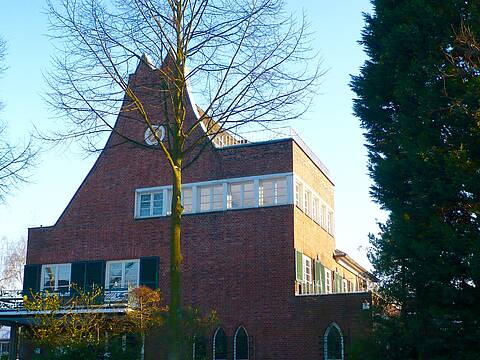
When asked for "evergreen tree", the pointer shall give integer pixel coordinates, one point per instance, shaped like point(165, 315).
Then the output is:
point(419, 103)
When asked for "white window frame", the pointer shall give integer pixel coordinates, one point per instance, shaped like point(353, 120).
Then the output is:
point(307, 269)
point(328, 281)
point(138, 197)
point(123, 262)
point(307, 197)
point(57, 266)
point(299, 194)
point(275, 190)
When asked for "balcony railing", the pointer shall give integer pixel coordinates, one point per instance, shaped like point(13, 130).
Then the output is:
point(12, 300)
point(226, 139)
point(307, 288)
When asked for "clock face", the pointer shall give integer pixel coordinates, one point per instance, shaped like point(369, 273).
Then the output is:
point(149, 136)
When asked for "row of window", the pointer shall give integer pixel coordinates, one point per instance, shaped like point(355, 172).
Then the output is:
point(333, 345)
point(121, 274)
point(268, 190)
point(312, 205)
point(313, 277)
point(241, 348)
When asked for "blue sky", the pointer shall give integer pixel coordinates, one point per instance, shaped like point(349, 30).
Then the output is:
point(329, 128)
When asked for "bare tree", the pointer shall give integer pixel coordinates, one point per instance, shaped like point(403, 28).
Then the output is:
point(248, 63)
point(12, 261)
point(16, 160)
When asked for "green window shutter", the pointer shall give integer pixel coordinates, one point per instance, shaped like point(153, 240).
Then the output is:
point(318, 273)
point(299, 265)
point(31, 279)
point(322, 274)
point(338, 283)
point(94, 275)
point(78, 276)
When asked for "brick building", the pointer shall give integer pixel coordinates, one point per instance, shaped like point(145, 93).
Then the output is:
point(257, 240)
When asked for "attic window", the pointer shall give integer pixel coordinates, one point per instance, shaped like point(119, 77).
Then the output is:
point(150, 137)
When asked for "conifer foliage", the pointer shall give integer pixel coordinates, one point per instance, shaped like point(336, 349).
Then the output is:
point(418, 99)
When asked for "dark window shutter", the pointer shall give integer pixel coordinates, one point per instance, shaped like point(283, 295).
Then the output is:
point(299, 265)
point(31, 279)
point(94, 275)
point(149, 267)
point(77, 278)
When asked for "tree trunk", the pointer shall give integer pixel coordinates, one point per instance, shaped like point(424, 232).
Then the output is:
point(175, 263)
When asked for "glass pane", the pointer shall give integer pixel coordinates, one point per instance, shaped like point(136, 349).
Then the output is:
point(281, 191)
point(234, 192)
point(187, 200)
point(157, 204)
point(115, 275)
point(49, 277)
point(218, 197)
point(200, 347)
point(64, 276)
point(205, 198)
point(220, 345)
point(169, 201)
point(241, 345)
point(248, 194)
point(334, 344)
point(145, 205)
point(131, 273)
point(266, 193)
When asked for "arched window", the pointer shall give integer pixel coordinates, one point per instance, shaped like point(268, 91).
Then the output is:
point(220, 344)
point(333, 343)
point(240, 345)
point(199, 348)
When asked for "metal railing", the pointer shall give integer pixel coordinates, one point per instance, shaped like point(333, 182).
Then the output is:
point(226, 139)
point(12, 300)
point(307, 288)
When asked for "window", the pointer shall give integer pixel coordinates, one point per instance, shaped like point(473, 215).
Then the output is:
point(187, 199)
point(150, 204)
point(307, 269)
point(315, 208)
point(199, 348)
point(345, 285)
point(211, 197)
point(333, 343)
point(220, 344)
point(56, 277)
point(298, 194)
point(122, 274)
point(240, 345)
point(240, 195)
point(328, 281)
point(323, 215)
point(272, 192)
point(307, 202)
point(330, 222)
